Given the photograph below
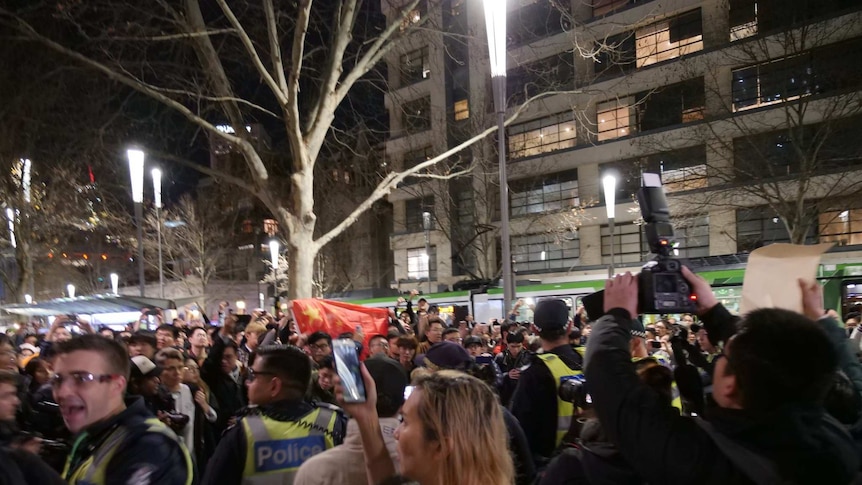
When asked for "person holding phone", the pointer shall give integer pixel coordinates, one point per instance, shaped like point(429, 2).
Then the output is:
point(449, 423)
point(281, 430)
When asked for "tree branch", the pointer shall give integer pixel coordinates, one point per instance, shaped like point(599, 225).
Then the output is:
point(275, 45)
point(252, 53)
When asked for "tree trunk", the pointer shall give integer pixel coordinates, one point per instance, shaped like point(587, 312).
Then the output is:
point(302, 248)
point(301, 254)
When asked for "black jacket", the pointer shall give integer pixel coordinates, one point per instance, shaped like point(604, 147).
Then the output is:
point(228, 393)
point(664, 447)
point(149, 454)
point(534, 402)
point(228, 463)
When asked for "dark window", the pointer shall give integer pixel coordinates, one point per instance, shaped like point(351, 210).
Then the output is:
point(417, 115)
point(549, 74)
point(604, 7)
point(414, 214)
point(685, 26)
point(541, 19)
point(617, 56)
point(415, 66)
point(543, 252)
point(829, 68)
point(760, 226)
point(553, 192)
point(671, 105)
point(682, 169)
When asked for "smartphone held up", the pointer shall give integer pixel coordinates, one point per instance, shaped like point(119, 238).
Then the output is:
point(347, 366)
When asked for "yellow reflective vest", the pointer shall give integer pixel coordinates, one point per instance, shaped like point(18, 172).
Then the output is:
point(565, 410)
point(92, 471)
point(276, 449)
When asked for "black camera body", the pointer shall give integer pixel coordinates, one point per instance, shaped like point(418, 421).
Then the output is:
point(661, 286)
point(574, 390)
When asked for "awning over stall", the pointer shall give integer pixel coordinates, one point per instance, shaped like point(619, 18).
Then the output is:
point(89, 305)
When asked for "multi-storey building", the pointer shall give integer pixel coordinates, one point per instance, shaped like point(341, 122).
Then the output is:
point(747, 109)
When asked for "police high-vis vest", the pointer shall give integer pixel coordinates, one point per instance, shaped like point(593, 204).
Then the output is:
point(565, 410)
point(92, 470)
point(276, 449)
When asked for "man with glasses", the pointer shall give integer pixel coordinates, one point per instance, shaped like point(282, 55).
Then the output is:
point(281, 430)
point(320, 345)
point(184, 397)
point(116, 441)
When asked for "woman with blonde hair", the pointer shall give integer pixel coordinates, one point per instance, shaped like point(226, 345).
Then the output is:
point(450, 422)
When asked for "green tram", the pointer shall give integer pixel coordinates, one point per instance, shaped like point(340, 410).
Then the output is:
point(840, 273)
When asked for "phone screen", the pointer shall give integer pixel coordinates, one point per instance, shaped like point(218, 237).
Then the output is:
point(347, 366)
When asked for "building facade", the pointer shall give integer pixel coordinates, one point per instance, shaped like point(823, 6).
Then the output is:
point(747, 109)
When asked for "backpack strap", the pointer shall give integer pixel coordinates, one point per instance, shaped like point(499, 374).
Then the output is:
point(755, 466)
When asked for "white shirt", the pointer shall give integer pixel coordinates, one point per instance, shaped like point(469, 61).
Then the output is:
point(184, 403)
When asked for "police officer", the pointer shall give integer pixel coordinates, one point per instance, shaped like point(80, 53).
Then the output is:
point(543, 415)
point(280, 430)
point(116, 441)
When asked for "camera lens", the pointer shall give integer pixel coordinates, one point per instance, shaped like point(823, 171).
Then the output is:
point(672, 265)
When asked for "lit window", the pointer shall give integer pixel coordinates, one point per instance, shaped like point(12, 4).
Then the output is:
point(548, 134)
point(841, 227)
point(270, 226)
point(421, 265)
point(669, 39)
point(615, 118)
point(462, 110)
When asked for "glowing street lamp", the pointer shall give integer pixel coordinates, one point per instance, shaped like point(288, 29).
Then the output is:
point(136, 171)
point(157, 192)
point(609, 183)
point(70, 290)
point(495, 25)
point(115, 283)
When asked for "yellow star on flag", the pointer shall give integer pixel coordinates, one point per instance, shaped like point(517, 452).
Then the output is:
point(312, 313)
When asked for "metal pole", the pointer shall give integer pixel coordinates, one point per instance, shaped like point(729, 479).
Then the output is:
point(139, 217)
point(161, 268)
point(499, 87)
point(611, 266)
point(426, 221)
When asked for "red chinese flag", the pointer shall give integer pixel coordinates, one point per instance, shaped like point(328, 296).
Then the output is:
point(335, 318)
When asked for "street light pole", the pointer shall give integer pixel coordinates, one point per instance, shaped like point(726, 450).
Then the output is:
point(136, 170)
point(426, 223)
point(273, 254)
point(495, 23)
point(609, 183)
point(157, 192)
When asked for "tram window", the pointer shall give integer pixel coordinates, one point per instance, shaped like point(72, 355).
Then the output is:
point(525, 312)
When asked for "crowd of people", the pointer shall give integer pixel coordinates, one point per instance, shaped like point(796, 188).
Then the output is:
point(566, 398)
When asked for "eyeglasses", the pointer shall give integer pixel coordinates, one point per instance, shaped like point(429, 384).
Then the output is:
point(252, 374)
point(191, 369)
point(79, 379)
point(321, 347)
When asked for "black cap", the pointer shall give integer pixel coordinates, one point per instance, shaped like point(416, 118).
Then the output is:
point(473, 340)
point(144, 337)
point(551, 314)
point(447, 355)
point(694, 328)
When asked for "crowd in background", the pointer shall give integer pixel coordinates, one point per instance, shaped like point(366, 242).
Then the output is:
point(563, 398)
